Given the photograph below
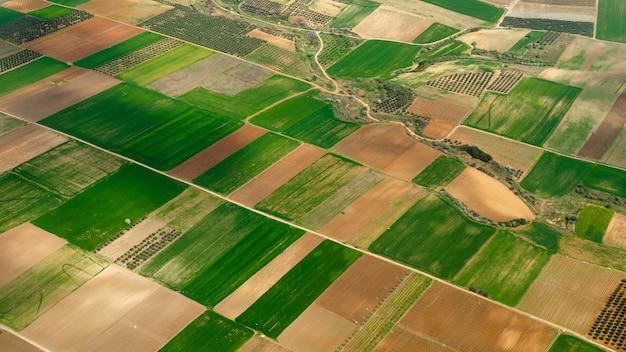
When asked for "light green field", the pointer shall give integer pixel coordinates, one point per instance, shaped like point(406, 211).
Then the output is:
point(288, 113)
point(354, 13)
point(568, 343)
point(519, 48)
point(473, 8)
point(186, 209)
point(440, 172)
point(541, 234)
point(611, 25)
point(50, 12)
point(30, 73)
point(592, 222)
point(435, 32)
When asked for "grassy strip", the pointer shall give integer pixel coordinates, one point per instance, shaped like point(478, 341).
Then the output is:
point(592, 222)
point(440, 172)
point(472, 8)
point(50, 12)
point(137, 42)
point(30, 73)
point(568, 343)
point(541, 234)
point(435, 32)
point(519, 48)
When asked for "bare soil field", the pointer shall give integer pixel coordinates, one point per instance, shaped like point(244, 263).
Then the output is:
point(616, 232)
point(26, 143)
point(506, 152)
point(412, 162)
point(400, 339)
point(467, 322)
point(262, 344)
point(392, 24)
point(554, 12)
point(602, 138)
point(218, 73)
point(218, 151)
point(438, 129)
point(10, 342)
point(83, 39)
point(444, 108)
point(22, 247)
point(326, 7)
point(132, 237)
point(488, 197)
point(44, 98)
point(127, 11)
point(439, 14)
point(25, 5)
point(240, 300)
point(317, 329)
point(279, 42)
point(500, 40)
point(570, 293)
point(263, 184)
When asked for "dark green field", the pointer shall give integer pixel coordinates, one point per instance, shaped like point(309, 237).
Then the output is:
point(72, 3)
point(50, 12)
point(433, 236)
point(592, 222)
point(30, 73)
point(568, 343)
point(606, 179)
point(8, 15)
point(120, 49)
point(295, 291)
point(541, 234)
point(554, 176)
point(519, 48)
point(611, 25)
point(440, 172)
point(242, 261)
point(210, 332)
point(435, 32)
point(374, 59)
point(473, 8)
point(247, 162)
point(96, 215)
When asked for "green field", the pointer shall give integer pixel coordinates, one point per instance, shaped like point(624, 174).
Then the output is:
point(72, 3)
point(247, 162)
point(128, 46)
point(210, 332)
point(247, 102)
point(96, 215)
point(145, 125)
point(8, 124)
point(22, 201)
point(8, 15)
point(473, 8)
point(281, 60)
point(45, 284)
point(354, 13)
point(541, 234)
point(592, 222)
point(519, 48)
point(374, 59)
point(295, 291)
point(69, 168)
point(195, 250)
point(433, 236)
point(30, 73)
point(611, 25)
point(568, 343)
point(165, 64)
point(310, 187)
point(504, 268)
point(50, 12)
point(289, 112)
point(440, 172)
point(435, 32)
point(529, 113)
point(606, 179)
point(554, 176)
point(451, 48)
point(241, 261)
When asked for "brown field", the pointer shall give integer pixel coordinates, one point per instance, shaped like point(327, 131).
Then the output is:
point(327, 7)
point(389, 149)
point(466, 322)
point(12, 343)
point(132, 237)
point(349, 224)
point(616, 232)
point(444, 108)
point(24, 143)
point(218, 151)
point(115, 309)
point(400, 339)
point(83, 39)
point(240, 300)
point(602, 138)
point(22, 247)
point(570, 293)
point(127, 11)
point(263, 184)
point(279, 42)
point(44, 98)
point(507, 152)
point(439, 14)
point(392, 24)
point(438, 129)
point(25, 5)
point(555, 12)
point(488, 197)
point(262, 344)
point(494, 39)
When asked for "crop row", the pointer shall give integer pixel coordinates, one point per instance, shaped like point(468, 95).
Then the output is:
point(335, 47)
point(148, 247)
point(609, 327)
point(506, 80)
point(463, 83)
point(394, 98)
point(548, 38)
point(582, 28)
point(299, 8)
point(17, 59)
point(41, 29)
point(262, 7)
point(281, 60)
point(136, 57)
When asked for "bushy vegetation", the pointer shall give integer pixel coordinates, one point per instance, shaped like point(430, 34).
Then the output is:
point(476, 153)
point(440, 172)
point(592, 222)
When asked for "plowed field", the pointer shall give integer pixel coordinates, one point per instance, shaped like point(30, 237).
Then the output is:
point(25, 143)
point(25, 5)
point(127, 11)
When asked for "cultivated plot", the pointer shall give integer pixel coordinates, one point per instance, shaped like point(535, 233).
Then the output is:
point(610, 20)
point(119, 50)
point(616, 232)
point(494, 39)
point(25, 5)
point(437, 104)
point(593, 221)
point(12, 342)
point(24, 143)
point(440, 172)
point(392, 24)
point(29, 73)
point(434, 32)
point(126, 11)
point(442, 15)
point(605, 134)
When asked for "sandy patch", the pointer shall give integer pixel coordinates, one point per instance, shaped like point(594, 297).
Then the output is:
point(262, 344)
point(602, 138)
point(10, 342)
point(327, 7)
point(242, 298)
point(25, 5)
point(438, 129)
point(494, 39)
point(128, 11)
point(22, 247)
point(616, 232)
point(554, 12)
point(218, 151)
point(53, 94)
point(444, 108)
point(276, 175)
point(25, 143)
point(436, 13)
point(391, 24)
point(279, 42)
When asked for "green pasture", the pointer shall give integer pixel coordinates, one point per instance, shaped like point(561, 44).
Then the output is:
point(504, 268)
point(31, 72)
point(50, 12)
point(569, 343)
point(541, 234)
point(592, 222)
point(450, 48)
point(286, 114)
point(310, 187)
point(69, 168)
point(240, 262)
point(295, 291)
point(45, 284)
point(529, 113)
point(96, 215)
point(8, 15)
point(354, 13)
point(247, 162)
point(435, 32)
point(606, 179)
point(519, 48)
point(210, 332)
point(472, 8)
point(554, 175)
point(195, 250)
point(440, 172)
point(374, 59)
point(126, 47)
point(610, 24)
point(8, 124)
point(433, 236)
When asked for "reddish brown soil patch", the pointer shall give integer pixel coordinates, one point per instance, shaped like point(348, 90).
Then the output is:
point(602, 139)
point(53, 94)
point(240, 300)
point(466, 322)
point(83, 39)
point(25, 143)
point(443, 108)
point(10, 342)
point(616, 232)
point(22, 247)
point(402, 340)
point(438, 129)
point(412, 162)
point(128, 11)
point(570, 293)
point(218, 151)
point(25, 5)
point(274, 40)
point(276, 175)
